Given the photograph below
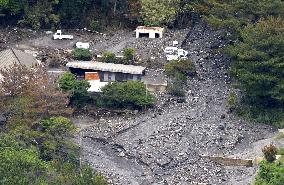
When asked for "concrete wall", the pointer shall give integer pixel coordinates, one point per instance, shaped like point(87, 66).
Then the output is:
point(157, 87)
point(230, 161)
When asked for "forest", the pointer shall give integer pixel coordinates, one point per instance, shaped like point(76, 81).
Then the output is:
point(35, 145)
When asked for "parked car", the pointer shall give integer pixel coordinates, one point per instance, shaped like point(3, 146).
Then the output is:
point(82, 45)
point(60, 36)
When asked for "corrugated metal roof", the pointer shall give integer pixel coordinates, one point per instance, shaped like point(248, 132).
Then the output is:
point(110, 67)
point(11, 56)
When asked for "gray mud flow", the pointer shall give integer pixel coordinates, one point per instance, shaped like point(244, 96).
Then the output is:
point(165, 144)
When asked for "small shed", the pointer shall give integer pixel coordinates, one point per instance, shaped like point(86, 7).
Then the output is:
point(149, 32)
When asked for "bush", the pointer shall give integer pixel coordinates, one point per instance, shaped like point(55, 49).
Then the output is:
point(270, 152)
point(128, 54)
point(270, 174)
point(260, 114)
point(78, 89)
point(181, 68)
point(176, 87)
point(82, 54)
point(232, 100)
point(130, 94)
point(109, 57)
point(96, 26)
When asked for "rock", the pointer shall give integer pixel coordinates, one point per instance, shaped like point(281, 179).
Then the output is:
point(222, 126)
point(164, 161)
point(121, 154)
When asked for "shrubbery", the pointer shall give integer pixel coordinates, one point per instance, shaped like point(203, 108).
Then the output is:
point(128, 54)
point(128, 57)
point(270, 152)
point(130, 94)
point(82, 54)
point(78, 89)
point(270, 171)
point(178, 71)
point(109, 57)
point(96, 26)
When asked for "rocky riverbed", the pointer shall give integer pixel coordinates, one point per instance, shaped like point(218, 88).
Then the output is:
point(165, 144)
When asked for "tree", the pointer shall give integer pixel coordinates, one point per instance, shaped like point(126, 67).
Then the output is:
point(130, 94)
point(109, 57)
point(77, 88)
point(31, 94)
point(234, 15)
point(159, 13)
point(82, 54)
point(270, 173)
point(180, 69)
point(258, 66)
point(19, 165)
point(128, 54)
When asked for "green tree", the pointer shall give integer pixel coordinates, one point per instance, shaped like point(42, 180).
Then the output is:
point(258, 63)
point(19, 165)
point(82, 54)
point(130, 94)
point(77, 88)
point(270, 173)
point(159, 13)
point(128, 54)
point(234, 15)
point(109, 57)
point(180, 69)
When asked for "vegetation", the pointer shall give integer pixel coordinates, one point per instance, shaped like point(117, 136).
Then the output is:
point(128, 55)
point(82, 54)
point(258, 67)
point(235, 15)
point(158, 13)
point(178, 71)
point(130, 94)
point(31, 94)
point(176, 87)
point(271, 171)
point(35, 146)
point(78, 89)
point(270, 152)
point(96, 26)
point(109, 57)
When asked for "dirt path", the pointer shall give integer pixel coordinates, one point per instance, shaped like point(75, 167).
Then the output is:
point(164, 145)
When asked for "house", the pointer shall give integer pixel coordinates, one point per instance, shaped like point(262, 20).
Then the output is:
point(100, 74)
point(12, 56)
point(150, 32)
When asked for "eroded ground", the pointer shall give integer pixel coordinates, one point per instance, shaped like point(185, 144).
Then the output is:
point(165, 144)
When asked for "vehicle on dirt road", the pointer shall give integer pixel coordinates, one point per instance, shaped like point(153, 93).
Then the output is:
point(60, 36)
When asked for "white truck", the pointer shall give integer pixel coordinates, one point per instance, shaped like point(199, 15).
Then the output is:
point(82, 45)
point(173, 53)
point(60, 36)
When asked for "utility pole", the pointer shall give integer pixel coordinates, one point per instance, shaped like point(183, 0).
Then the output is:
point(80, 151)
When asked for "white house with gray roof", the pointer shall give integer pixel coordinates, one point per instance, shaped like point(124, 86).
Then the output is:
point(99, 74)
